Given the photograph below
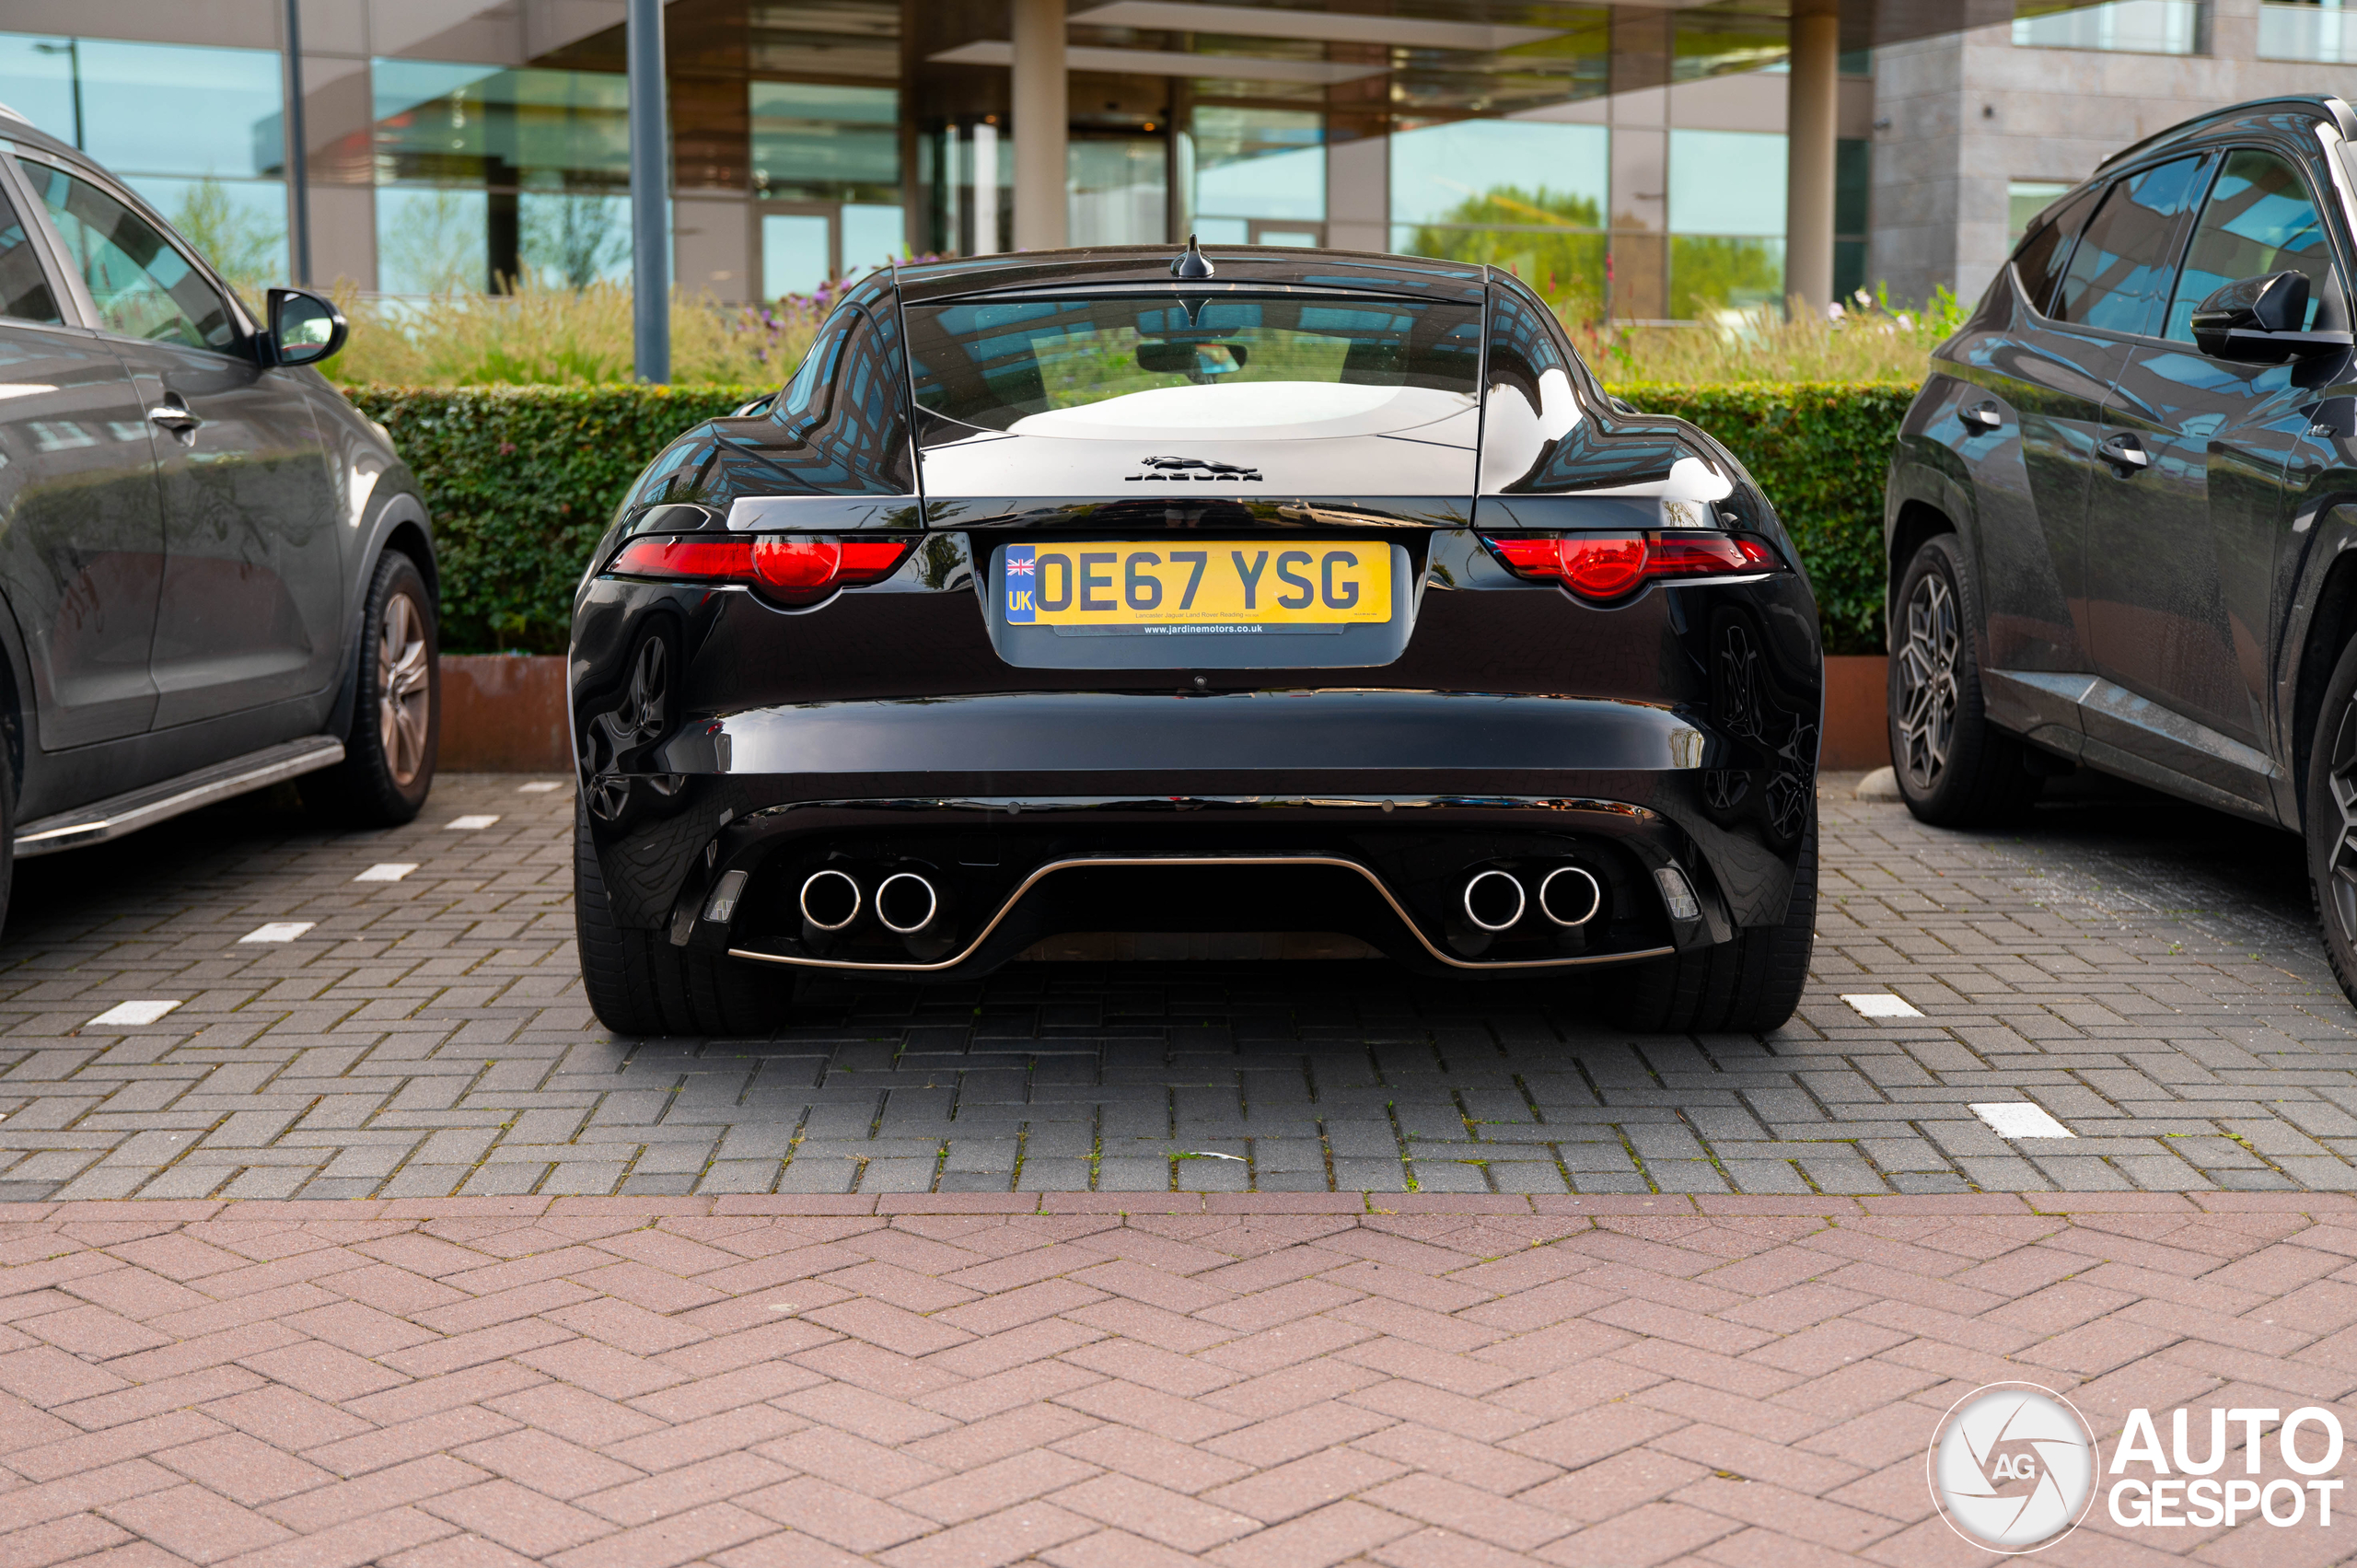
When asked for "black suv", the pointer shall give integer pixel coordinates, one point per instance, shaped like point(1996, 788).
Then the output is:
point(215, 573)
point(2122, 510)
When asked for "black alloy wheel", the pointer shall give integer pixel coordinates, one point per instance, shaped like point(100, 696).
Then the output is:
point(2331, 820)
point(387, 767)
point(1956, 770)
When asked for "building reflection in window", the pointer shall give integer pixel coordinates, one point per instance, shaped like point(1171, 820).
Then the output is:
point(827, 177)
point(1726, 221)
point(487, 175)
point(194, 130)
point(1259, 175)
point(1527, 195)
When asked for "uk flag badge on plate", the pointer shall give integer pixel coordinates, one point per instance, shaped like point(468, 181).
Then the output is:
point(1022, 580)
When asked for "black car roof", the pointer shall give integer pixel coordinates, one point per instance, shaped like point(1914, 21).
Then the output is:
point(1151, 264)
point(2259, 114)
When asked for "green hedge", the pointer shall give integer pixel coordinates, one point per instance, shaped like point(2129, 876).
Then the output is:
point(521, 481)
point(1821, 449)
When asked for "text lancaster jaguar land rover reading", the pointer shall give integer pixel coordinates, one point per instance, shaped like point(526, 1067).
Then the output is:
point(1250, 591)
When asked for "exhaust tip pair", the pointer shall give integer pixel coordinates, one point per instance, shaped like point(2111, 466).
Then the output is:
point(905, 902)
point(1495, 901)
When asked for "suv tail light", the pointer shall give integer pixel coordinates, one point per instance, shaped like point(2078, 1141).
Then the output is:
point(1605, 566)
point(787, 568)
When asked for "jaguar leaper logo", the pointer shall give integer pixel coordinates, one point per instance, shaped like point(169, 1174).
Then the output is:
point(1198, 468)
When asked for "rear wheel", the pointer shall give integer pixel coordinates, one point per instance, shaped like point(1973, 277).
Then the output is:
point(639, 983)
point(1747, 986)
point(8, 836)
point(1955, 769)
point(387, 767)
point(2332, 820)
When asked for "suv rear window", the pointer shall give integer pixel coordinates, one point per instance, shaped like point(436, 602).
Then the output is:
point(2039, 264)
point(1242, 365)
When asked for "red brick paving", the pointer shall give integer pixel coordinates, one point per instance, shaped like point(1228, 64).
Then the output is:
point(1245, 1382)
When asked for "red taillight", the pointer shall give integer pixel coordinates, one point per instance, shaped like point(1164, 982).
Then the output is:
point(789, 568)
point(1603, 566)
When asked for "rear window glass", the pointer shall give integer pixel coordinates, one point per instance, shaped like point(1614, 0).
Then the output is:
point(1117, 366)
point(2039, 264)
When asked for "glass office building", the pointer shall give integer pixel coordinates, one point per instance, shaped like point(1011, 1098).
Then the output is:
point(1627, 159)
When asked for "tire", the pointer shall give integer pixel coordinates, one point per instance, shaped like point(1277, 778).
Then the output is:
point(2331, 820)
point(1747, 986)
point(7, 838)
point(639, 983)
point(1955, 769)
point(387, 767)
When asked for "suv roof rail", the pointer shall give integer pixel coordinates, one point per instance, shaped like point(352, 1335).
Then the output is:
point(2329, 106)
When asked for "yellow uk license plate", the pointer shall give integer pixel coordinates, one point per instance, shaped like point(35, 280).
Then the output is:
point(1201, 585)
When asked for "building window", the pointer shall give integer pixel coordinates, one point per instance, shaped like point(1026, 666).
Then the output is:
point(827, 174)
point(2135, 27)
point(1726, 221)
point(1527, 195)
point(1852, 183)
point(968, 169)
point(1117, 188)
point(1259, 175)
point(489, 176)
point(2318, 31)
point(195, 131)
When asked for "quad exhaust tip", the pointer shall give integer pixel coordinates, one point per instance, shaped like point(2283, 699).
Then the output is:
point(1569, 896)
point(831, 899)
point(906, 903)
point(1493, 899)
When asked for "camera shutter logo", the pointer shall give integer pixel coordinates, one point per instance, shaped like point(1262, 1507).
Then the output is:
point(2012, 1467)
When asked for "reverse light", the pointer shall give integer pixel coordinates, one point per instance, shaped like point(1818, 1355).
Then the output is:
point(787, 568)
point(1606, 566)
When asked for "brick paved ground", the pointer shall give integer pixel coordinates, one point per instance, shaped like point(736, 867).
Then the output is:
point(2146, 971)
point(597, 1384)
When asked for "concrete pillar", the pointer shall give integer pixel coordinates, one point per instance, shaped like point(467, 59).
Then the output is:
point(1811, 123)
point(1042, 114)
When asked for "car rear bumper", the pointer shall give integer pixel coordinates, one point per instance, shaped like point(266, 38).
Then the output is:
point(1354, 811)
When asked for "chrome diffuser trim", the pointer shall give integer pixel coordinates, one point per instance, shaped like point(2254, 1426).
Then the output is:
point(1081, 862)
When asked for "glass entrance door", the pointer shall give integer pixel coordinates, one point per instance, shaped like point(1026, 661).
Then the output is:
point(1119, 190)
point(805, 243)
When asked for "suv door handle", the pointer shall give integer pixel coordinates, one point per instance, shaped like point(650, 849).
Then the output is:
point(2124, 451)
point(1982, 417)
point(173, 415)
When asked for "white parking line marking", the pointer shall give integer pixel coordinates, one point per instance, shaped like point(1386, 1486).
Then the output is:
point(470, 823)
point(2019, 1118)
point(538, 786)
point(1880, 1004)
point(278, 931)
point(391, 871)
point(133, 1013)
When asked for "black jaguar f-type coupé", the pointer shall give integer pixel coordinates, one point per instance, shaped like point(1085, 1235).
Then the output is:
point(1243, 591)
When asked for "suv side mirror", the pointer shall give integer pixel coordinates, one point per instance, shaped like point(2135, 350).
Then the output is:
point(304, 327)
point(2260, 320)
